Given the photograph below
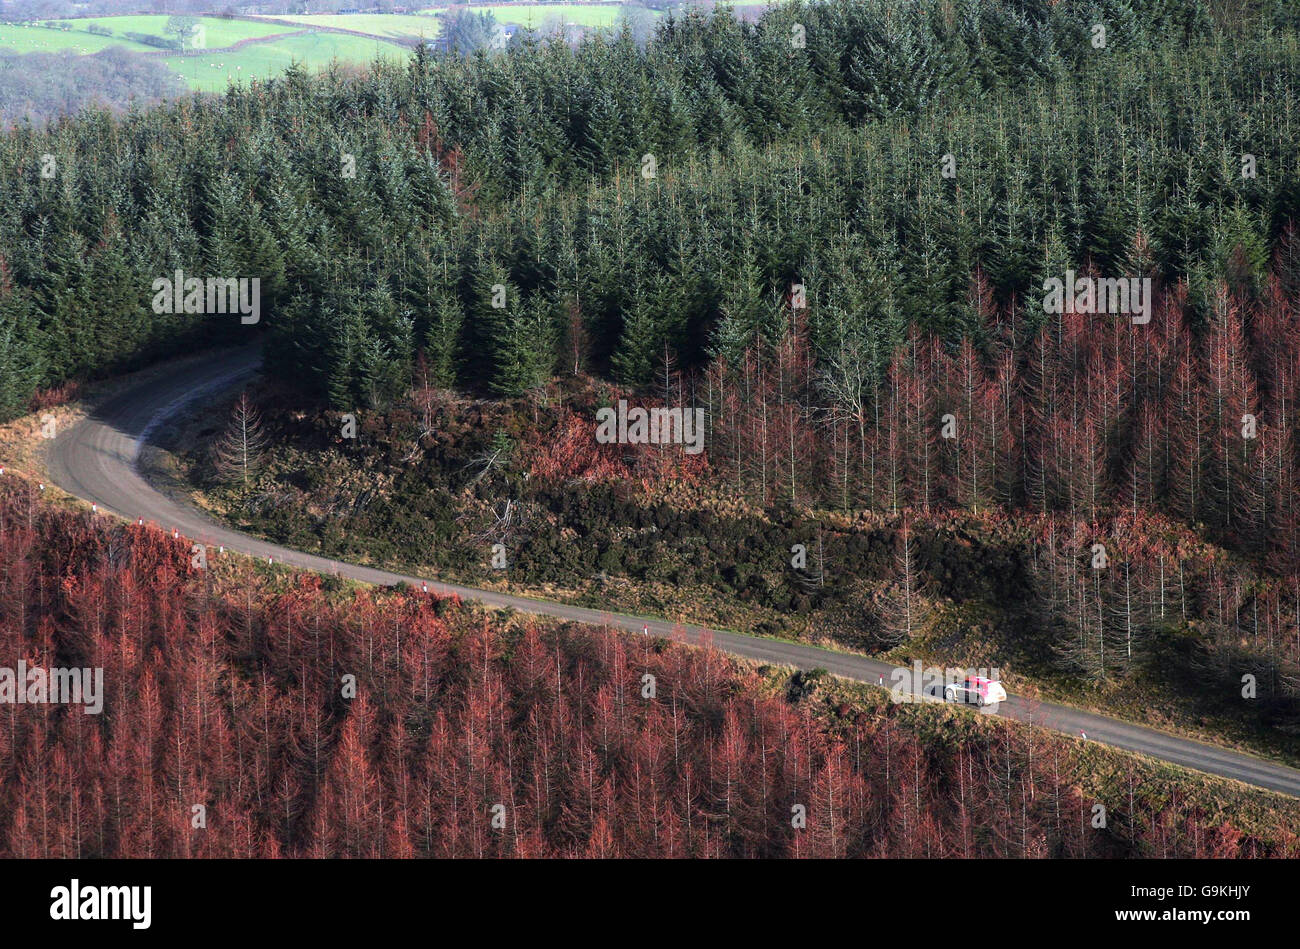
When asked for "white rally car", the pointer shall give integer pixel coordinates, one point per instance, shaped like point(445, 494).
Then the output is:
point(975, 690)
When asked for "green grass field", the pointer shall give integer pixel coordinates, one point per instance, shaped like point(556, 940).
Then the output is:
point(216, 30)
point(215, 72)
point(392, 25)
point(275, 46)
point(37, 39)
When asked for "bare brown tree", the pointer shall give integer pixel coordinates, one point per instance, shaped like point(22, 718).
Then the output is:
point(238, 453)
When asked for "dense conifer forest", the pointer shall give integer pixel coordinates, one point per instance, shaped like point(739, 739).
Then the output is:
point(633, 202)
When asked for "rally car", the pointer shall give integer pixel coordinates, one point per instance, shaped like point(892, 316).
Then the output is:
point(975, 690)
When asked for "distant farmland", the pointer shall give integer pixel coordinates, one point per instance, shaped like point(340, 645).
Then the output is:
point(231, 50)
point(264, 60)
point(238, 50)
point(383, 25)
point(38, 39)
point(217, 31)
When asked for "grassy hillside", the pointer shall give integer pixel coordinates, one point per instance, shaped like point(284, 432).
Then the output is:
point(269, 45)
point(390, 25)
point(214, 72)
point(233, 50)
point(217, 31)
point(38, 39)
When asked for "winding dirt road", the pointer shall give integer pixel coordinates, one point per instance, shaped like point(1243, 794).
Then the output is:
point(96, 460)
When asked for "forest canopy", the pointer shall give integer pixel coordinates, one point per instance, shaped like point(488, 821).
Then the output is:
point(635, 202)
